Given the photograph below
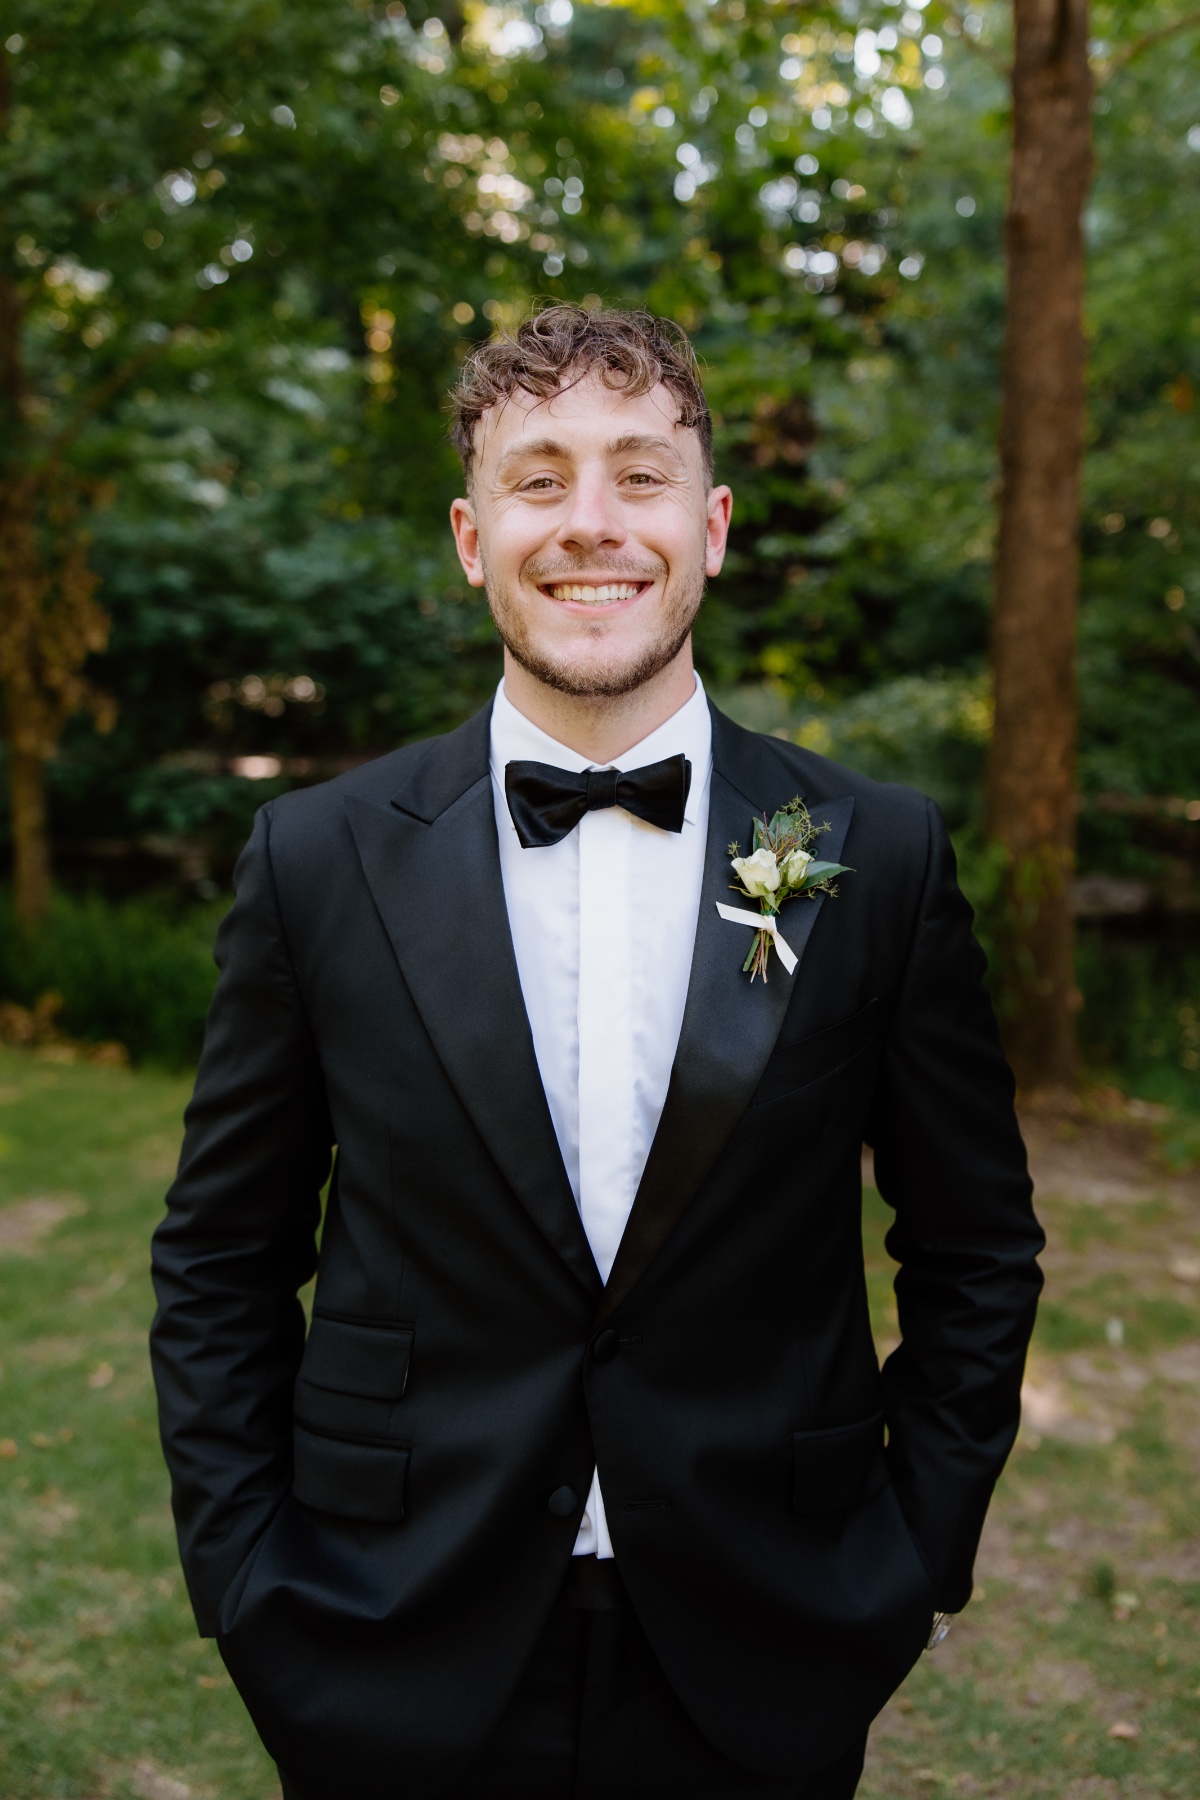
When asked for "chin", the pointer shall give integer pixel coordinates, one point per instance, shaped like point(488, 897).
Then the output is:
point(597, 659)
point(593, 679)
point(594, 672)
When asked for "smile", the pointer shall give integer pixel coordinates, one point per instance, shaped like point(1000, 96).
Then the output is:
point(583, 594)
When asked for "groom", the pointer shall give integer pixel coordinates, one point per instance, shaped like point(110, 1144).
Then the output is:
point(585, 1483)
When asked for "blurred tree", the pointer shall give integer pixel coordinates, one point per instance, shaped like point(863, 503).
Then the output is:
point(96, 128)
point(168, 175)
point(49, 625)
point(1032, 762)
point(818, 198)
point(1031, 790)
point(244, 293)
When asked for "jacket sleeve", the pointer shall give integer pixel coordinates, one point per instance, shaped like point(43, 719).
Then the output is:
point(949, 1159)
point(237, 1243)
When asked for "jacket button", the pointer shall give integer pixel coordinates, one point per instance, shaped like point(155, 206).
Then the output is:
point(563, 1501)
point(606, 1346)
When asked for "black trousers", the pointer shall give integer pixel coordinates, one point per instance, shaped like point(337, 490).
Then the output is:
point(594, 1718)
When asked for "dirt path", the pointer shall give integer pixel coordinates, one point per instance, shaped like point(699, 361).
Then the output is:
point(1075, 1670)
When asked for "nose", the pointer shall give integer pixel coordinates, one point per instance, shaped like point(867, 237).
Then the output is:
point(591, 519)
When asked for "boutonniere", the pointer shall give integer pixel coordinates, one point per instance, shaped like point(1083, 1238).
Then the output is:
point(781, 866)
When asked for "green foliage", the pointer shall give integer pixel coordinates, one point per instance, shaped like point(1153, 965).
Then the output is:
point(1141, 1012)
point(929, 731)
point(250, 243)
point(315, 641)
point(140, 972)
point(1140, 664)
point(244, 301)
point(895, 580)
point(982, 875)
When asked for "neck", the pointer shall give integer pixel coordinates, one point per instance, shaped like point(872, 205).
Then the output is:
point(602, 727)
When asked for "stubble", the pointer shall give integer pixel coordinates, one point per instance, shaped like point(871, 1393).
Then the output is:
point(597, 675)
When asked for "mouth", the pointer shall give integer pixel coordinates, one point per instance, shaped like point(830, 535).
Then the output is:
point(586, 593)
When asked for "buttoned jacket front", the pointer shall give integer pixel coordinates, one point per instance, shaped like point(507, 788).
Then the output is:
point(375, 1520)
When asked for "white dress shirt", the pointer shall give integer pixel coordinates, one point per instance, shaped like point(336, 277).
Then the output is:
point(603, 925)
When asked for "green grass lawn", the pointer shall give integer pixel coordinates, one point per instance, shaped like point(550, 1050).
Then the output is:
point(1088, 1607)
point(107, 1690)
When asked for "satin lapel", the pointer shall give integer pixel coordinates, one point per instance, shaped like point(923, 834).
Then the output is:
point(729, 1025)
point(457, 959)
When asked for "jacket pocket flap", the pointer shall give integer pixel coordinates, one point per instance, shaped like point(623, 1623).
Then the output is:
point(360, 1481)
point(370, 1360)
point(835, 1468)
point(795, 1065)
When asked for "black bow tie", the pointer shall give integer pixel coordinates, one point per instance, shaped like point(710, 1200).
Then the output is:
point(546, 803)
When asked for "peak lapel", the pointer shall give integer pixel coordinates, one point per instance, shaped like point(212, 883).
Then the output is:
point(457, 959)
point(729, 1024)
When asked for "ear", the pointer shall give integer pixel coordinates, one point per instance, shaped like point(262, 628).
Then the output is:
point(466, 540)
point(716, 531)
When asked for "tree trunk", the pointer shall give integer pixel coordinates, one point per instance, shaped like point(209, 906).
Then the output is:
point(30, 838)
point(49, 620)
point(49, 625)
point(1030, 806)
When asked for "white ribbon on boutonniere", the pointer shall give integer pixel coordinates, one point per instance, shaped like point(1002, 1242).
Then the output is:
point(737, 915)
point(780, 867)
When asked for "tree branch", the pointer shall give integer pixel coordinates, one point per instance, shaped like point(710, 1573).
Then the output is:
point(10, 299)
point(1126, 54)
point(971, 42)
point(100, 395)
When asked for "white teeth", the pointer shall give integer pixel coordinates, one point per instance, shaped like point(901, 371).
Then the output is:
point(595, 596)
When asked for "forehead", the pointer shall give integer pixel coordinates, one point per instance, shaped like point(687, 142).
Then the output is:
point(584, 419)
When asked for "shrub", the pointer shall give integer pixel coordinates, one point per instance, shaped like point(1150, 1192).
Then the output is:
point(138, 971)
point(929, 731)
point(1141, 1013)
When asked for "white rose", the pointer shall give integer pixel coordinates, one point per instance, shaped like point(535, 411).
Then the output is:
point(794, 867)
point(758, 874)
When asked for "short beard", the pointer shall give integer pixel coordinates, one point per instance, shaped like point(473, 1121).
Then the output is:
point(603, 680)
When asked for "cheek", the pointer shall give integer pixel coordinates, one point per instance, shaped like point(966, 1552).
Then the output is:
point(511, 535)
point(676, 533)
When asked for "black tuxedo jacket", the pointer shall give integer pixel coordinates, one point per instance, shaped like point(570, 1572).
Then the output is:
point(375, 1520)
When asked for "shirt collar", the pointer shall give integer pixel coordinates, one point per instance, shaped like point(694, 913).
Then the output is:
point(688, 732)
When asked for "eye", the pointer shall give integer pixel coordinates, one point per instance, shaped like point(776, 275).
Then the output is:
point(641, 478)
point(538, 484)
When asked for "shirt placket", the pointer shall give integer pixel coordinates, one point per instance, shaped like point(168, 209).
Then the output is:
point(606, 1072)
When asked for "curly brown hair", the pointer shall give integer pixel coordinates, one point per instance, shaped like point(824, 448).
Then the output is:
point(559, 345)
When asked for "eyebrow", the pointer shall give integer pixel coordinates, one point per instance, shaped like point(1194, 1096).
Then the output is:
point(552, 448)
point(635, 441)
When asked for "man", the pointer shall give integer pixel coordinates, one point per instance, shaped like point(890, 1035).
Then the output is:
point(586, 1483)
